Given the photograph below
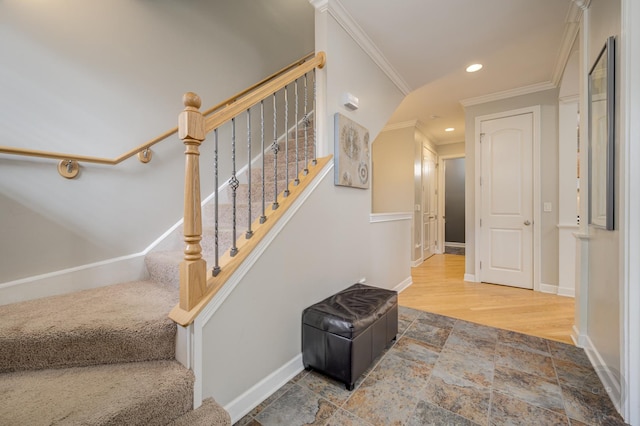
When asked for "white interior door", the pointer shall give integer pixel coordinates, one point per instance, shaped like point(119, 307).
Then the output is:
point(429, 204)
point(506, 219)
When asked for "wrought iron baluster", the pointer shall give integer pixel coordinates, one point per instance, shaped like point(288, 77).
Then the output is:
point(234, 184)
point(263, 218)
point(249, 233)
point(216, 264)
point(297, 179)
point(275, 148)
point(306, 127)
point(286, 142)
point(315, 139)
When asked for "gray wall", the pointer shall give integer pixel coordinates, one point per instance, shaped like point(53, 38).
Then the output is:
point(328, 245)
point(603, 311)
point(454, 200)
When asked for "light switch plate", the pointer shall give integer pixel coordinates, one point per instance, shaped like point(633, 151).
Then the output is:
point(547, 207)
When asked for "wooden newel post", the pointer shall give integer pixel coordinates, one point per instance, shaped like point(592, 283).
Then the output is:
point(193, 277)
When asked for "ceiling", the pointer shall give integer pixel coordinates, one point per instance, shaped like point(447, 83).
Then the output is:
point(523, 45)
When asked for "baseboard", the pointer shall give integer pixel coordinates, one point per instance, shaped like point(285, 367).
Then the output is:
point(566, 291)
point(451, 244)
point(578, 339)
point(403, 285)
point(246, 402)
point(548, 288)
point(607, 375)
point(93, 275)
point(416, 263)
point(470, 278)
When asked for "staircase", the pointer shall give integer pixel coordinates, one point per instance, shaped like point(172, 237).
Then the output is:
point(107, 356)
point(163, 263)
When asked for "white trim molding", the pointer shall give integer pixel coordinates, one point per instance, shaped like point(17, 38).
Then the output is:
point(548, 288)
point(246, 402)
point(400, 125)
point(389, 217)
point(525, 90)
point(84, 277)
point(470, 278)
point(405, 284)
point(630, 246)
point(320, 5)
point(609, 377)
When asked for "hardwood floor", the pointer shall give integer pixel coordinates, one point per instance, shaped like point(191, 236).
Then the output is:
point(438, 287)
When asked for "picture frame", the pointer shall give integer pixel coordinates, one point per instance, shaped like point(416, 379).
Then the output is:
point(352, 153)
point(601, 122)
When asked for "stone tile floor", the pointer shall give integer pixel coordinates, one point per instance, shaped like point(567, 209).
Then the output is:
point(444, 371)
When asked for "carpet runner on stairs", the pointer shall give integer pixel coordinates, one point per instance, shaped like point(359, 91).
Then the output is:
point(107, 356)
point(96, 357)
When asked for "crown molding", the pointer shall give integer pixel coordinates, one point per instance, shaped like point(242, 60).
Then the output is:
point(346, 21)
point(320, 5)
point(400, 125)
point(571, 29)
point(570, 99)
point(525, 90)
point(568, 38)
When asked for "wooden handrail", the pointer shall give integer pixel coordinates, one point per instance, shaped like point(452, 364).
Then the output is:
point(113, 161)
point(207, 287)
point(260, 93)
point(197, 285)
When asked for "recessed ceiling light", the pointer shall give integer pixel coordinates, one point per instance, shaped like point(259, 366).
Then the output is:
point(449, 129)
point(474, 67)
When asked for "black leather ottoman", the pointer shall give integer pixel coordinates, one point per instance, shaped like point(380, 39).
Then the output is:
point(344, 333)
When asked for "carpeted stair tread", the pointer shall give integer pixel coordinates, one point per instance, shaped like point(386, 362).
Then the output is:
point(140, 393)
point(119, 323)
point(208, 414)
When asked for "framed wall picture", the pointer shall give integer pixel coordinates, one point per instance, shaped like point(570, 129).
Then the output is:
point(601, 104)
point(352, 153)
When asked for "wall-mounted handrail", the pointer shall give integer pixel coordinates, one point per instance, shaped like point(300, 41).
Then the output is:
point(145, 146)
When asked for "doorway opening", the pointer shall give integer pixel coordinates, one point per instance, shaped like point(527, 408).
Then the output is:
point(453, 214)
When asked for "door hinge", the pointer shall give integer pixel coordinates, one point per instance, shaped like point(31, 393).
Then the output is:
point(480, 223)
point(481, 264)
point(481, 136)
point(480, 180)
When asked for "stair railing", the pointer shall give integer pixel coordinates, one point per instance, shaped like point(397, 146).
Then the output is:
point(69, 166)
point(197, 284)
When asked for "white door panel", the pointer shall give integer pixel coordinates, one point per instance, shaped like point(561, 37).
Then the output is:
point(429, 203)
point(507, 201)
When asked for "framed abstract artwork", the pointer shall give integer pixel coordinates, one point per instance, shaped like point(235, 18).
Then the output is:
point(352, 153)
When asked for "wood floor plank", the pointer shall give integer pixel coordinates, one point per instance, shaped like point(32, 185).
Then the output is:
point(438, 287)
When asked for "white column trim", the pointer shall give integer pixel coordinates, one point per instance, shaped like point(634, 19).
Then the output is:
point(630, 233)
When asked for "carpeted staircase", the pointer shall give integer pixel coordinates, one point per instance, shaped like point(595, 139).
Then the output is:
point(107, 356)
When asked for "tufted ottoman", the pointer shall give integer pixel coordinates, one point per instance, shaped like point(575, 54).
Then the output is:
point(344, 333)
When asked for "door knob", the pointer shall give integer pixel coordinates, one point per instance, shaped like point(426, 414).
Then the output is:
point(527, 223)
